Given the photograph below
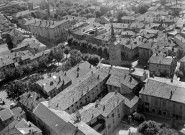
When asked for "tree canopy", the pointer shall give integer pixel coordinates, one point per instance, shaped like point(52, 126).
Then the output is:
point(149, 128)
point(15, 89)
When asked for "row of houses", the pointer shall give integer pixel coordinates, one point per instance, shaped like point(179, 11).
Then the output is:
point(98, 101)
point(52, 31)
point(19, 57)
point(13, 121)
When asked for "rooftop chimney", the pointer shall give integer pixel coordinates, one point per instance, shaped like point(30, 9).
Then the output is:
point(171, 93)
point(78, 69)
point(130, 79)
point(51, 83)
point(103, 107)
point(98, 76)
point(77, 75)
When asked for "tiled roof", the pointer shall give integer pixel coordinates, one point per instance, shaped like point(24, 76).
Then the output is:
point(30, 100)
point(22, 13)
point(164, 88)
point(24, 127)
point(18, 112)
point(160, 60)
point(61, 122)
point(48, 23)
point(158, 89)
point(103, 37)
point(6, 62)
point(89, 113)
point(55, 81)
point(6, 114)
point(130, 43)
point(110, 101)
point(103, 107)
point(136, 25)
point(118, 80)
point(128, 18)
point(131, 100)
point(182, 59)
point(67, 98)
point(50, 118)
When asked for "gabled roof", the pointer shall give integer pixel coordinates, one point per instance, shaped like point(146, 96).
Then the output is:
point(131, 100)
point(164, 88)
point(6, 114)
point(61, 122)
point(25, 127)
point(182, 59)
point(50, 118)
point(103, 107)
point(118, 80)
point(160, 60)
point(67, 98)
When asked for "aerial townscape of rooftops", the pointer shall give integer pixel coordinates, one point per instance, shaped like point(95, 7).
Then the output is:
point(92, 67)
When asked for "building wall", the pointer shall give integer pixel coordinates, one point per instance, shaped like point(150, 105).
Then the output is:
point(45, 129)
point(129, 53)
point(144, 55)
point(163, 107)
point(123, 90)
point(114, 118)
point(115, 54)
point(159, 69)
point(52, 34)
point(182, 66)
point(91, 96)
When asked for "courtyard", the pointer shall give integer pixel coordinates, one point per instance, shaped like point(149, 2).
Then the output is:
point(124, 128)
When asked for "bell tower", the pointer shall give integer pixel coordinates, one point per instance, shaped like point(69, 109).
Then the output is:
point(114, 49)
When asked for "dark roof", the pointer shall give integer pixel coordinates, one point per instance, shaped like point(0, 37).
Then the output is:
point(6, 114)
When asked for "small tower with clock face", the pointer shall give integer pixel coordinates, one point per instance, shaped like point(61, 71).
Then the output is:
point(114, 49)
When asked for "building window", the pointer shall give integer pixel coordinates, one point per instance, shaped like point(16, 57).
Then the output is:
point(153, 110)
point(146, 103)
point(164, 113)
point(118, 115)
point(164, 103)
point(159, 111)
point(107, 117)
point(118, 109)
point(146, 98)
point(113, 115)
